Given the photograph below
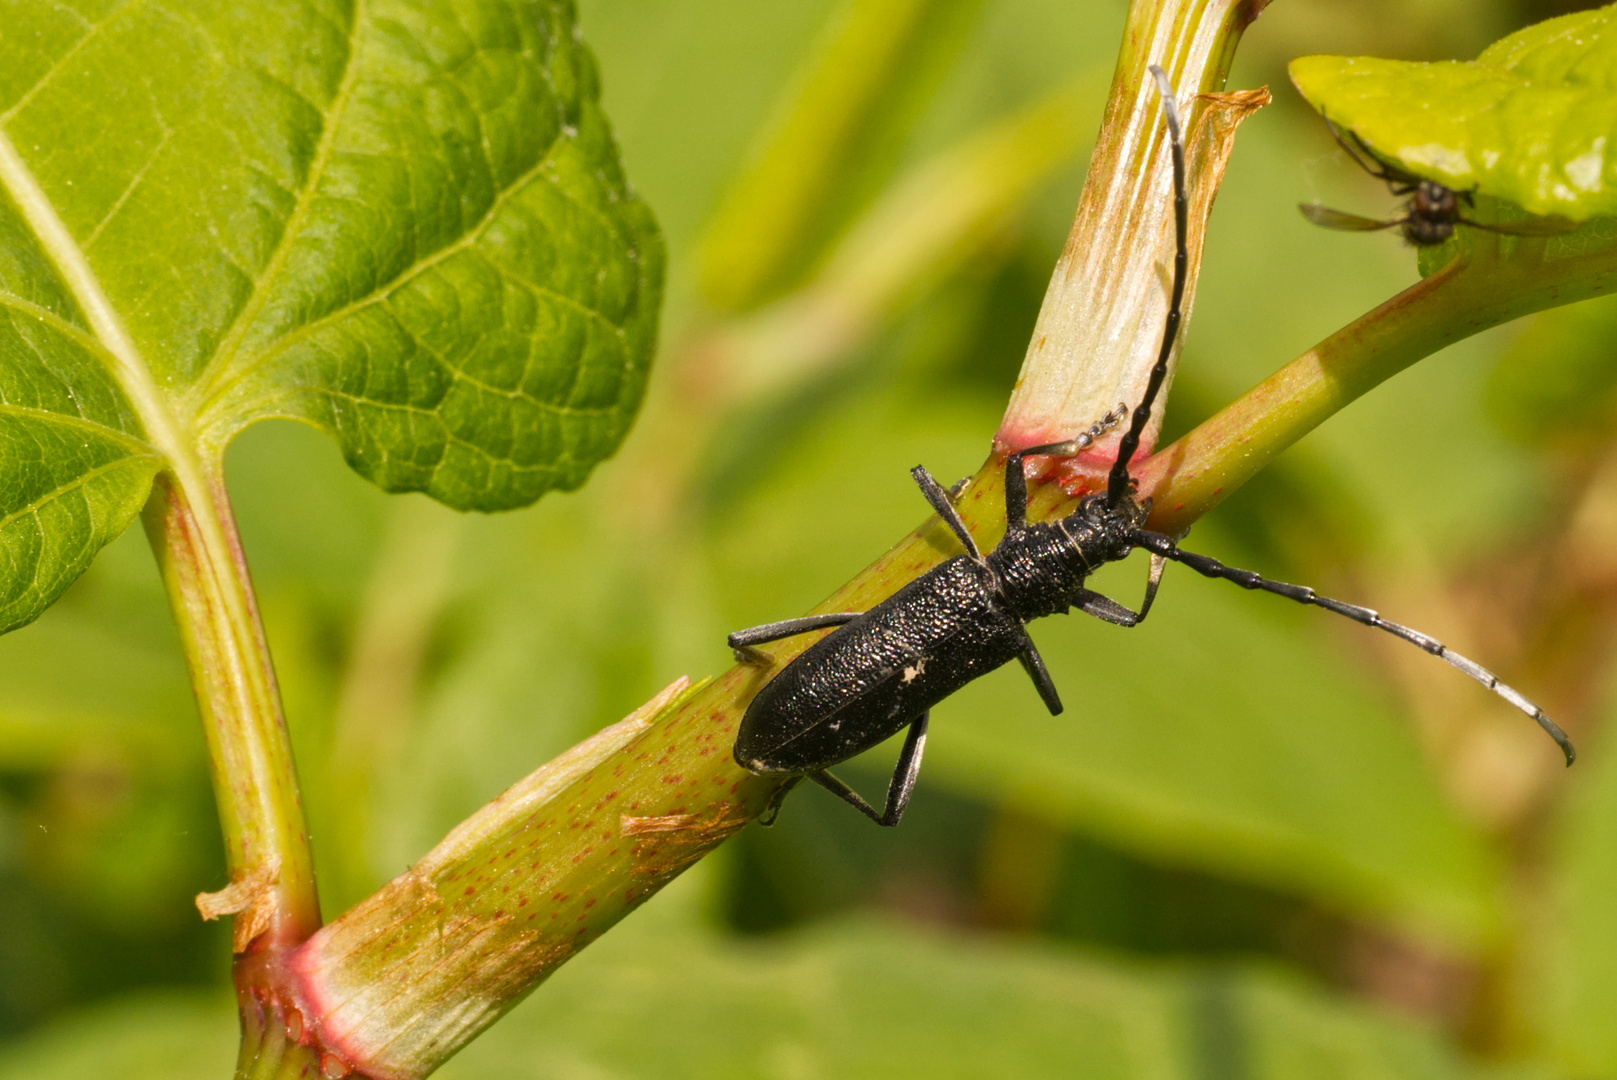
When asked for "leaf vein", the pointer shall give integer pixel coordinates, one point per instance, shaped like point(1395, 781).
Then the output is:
point(216, 388)
point(283, 250)
point(129, 189)
point(129, 442)
point(93, 30)
point(76, 484)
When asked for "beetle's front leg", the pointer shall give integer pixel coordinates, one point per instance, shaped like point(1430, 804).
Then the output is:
point(1109, 610)
point(743, 642)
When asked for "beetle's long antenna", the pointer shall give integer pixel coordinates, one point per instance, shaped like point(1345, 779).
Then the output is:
point(1119, 482)
point(1164, 547)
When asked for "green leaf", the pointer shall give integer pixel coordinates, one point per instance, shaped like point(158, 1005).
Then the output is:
point(74, 464)
point(857, 999)
point(1532, 121)
point(868, 999)
point(406, 226)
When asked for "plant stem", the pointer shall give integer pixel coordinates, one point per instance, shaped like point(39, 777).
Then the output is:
point(189, 524)
point(517, 890)
point(193, 535)
point(1498, 279)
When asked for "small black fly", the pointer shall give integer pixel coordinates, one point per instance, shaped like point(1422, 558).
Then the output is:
point(881, 671)
point(1431, 210)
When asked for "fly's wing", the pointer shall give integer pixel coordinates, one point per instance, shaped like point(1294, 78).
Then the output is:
point(864, 682)
point(1340, 219)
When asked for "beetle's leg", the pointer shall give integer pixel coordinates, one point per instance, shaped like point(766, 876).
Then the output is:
point(1105, 608)
point(772, 809)
point(742, 641)
point(901, 787)
point(1109, 610)
point(1211, 567)
point(1034, 663)
point(1153, 578)
point(939, 500)
point(1015, 491)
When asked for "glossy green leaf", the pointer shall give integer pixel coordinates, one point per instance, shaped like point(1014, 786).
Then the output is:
point(403, 223)
point(1532, 121)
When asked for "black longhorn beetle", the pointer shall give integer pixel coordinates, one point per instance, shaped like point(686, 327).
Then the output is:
point(1431, 209)
point(882, 670)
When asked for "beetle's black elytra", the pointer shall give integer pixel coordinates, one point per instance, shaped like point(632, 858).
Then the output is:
point(881, 671)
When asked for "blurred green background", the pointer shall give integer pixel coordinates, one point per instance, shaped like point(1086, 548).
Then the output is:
point(1259, 843)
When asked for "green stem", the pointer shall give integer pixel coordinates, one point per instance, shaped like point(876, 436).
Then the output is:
point(189, 523)
point(1497, 280)
point(193, 535)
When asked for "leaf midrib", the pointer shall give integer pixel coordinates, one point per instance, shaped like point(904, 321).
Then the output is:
point(126, 365)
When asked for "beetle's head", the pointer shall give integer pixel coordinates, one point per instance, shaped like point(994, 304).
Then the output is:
point(1113, 524)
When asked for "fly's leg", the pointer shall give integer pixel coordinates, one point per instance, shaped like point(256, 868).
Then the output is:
point(1369, 162)
point(1209, 567)
point(901, 787)
point(742, 642)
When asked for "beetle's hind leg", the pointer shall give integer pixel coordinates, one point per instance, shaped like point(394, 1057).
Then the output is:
point(898, 791)
point(742, 642)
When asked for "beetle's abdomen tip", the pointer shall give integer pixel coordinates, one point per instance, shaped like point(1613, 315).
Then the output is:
point(749, 756)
